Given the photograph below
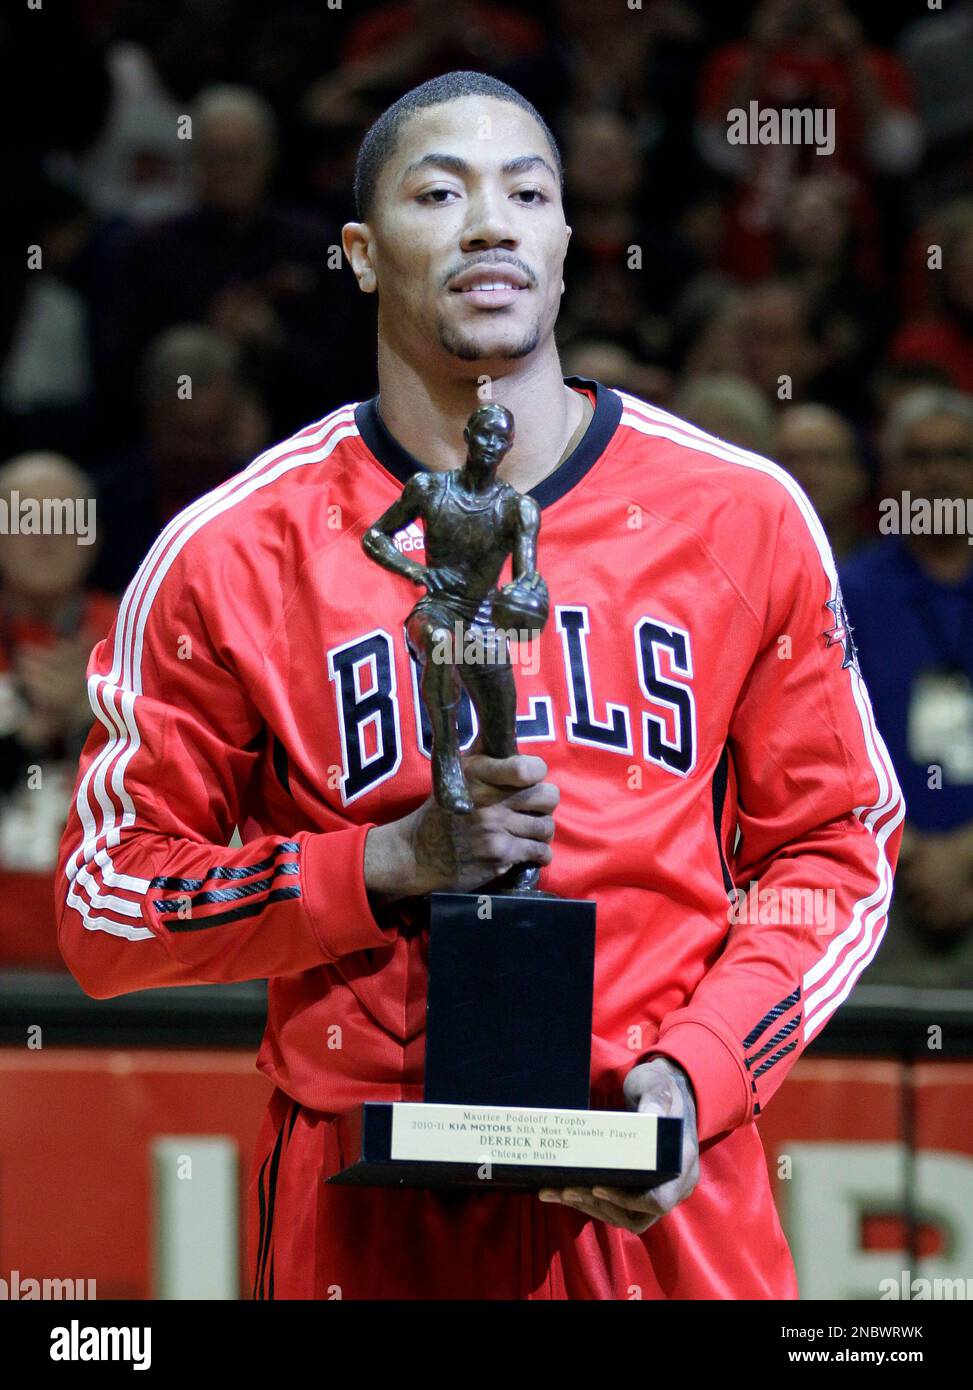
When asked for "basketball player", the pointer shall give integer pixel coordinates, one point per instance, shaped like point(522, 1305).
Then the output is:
point(707, 740)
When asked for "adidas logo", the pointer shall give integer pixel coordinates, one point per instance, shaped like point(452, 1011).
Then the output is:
point(411, 538)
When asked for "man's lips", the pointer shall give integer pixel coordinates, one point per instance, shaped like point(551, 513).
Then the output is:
point(491, 296)
point(489, 287)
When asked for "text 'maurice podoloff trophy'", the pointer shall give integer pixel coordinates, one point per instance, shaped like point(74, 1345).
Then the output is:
point(508, 1037)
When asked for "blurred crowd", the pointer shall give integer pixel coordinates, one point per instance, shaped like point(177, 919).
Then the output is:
point(813, 307)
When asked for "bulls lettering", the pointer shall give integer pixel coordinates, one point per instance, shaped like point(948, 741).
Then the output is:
point(363, 673)
point(652, 639)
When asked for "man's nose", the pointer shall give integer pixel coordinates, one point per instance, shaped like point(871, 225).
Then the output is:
point(489, 221)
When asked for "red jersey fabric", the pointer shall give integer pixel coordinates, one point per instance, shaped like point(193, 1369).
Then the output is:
point(698, 702)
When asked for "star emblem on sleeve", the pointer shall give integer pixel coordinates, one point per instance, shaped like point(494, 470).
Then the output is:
point(841, 632)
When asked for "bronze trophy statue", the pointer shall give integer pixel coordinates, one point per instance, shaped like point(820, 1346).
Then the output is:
point(508, 1015)
point(459, 630)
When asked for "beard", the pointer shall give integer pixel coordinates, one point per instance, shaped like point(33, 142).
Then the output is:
point(464, 345)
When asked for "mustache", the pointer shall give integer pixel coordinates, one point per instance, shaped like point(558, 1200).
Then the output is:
point(492, 258)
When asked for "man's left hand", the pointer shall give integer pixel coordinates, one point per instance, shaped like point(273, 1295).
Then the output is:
point(656, 1087)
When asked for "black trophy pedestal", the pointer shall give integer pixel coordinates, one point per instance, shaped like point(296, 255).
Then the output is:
point(508, 1060)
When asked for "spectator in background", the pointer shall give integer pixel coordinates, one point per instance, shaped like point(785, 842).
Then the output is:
point(271, 279)
point(707, 328)
point(636, 62)
point(623, 271)
point(937, 50)
point(767, 332)
point(702, 225)
point(780, 352)
point(202, 423)
point(944, 337)
point(820, 449)
point(818, 236)
point(284, 50)
point(730, 407)
point(918, 293)
point(137, 168)
point(50, 618)
point(910, 599)
point(804, 54)
point(46, 373)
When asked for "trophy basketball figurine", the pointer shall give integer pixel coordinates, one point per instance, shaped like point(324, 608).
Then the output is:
point(511, 969)
point(459, 631)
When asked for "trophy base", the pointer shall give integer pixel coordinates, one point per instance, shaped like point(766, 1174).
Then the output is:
point(504, 1148)
point(508, 1018)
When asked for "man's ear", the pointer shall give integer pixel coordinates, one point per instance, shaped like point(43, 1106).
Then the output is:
point(356, 241)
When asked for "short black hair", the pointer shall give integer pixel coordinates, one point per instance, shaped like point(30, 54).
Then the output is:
point(380, 139)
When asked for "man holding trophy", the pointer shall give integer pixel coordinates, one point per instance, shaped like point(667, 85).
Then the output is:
point(704, 729)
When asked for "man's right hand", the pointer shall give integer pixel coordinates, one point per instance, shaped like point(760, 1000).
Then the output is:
point(432, 850)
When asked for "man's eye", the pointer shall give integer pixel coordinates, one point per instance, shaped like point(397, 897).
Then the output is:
point(437, 195)
point(536, 196)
